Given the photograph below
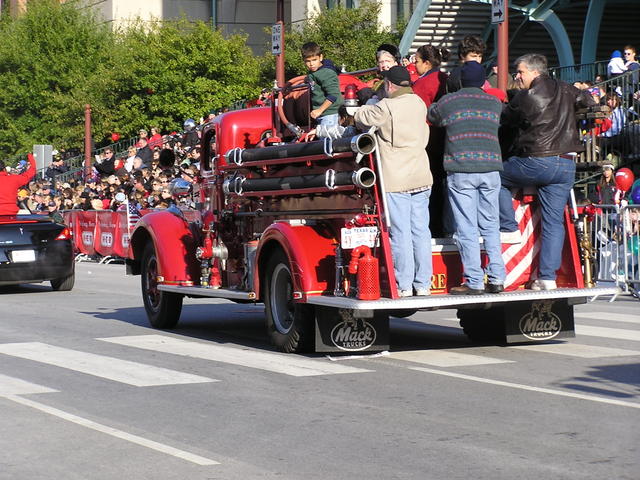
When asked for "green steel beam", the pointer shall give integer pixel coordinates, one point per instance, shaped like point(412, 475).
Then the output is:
point(591, 31)
point(412, 27)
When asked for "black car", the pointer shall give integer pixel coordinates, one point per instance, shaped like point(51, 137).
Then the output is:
point(35, 248)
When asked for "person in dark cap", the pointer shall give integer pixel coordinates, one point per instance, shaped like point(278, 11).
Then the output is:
point(402, 135)
point(473, 162)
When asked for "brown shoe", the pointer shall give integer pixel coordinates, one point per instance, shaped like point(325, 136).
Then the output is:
point(464, 289)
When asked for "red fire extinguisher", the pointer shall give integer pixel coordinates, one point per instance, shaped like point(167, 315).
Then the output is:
point(366, 266)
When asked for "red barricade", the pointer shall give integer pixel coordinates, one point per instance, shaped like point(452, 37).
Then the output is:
point(100, 232)
point(105, 235)
point(104, 232)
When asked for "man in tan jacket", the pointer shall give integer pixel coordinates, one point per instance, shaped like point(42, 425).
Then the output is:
point(403, 134)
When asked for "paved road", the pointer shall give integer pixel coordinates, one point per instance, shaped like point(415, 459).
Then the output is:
point(88, 391)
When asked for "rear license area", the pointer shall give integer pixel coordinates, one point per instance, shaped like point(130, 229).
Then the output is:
point(23, 256)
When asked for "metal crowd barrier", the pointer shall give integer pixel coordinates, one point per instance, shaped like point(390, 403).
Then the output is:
point(616, 241)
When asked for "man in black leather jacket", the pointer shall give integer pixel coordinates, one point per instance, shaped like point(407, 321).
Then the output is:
point(544, 113)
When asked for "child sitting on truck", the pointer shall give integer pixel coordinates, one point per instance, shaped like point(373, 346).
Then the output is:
point(325, 87)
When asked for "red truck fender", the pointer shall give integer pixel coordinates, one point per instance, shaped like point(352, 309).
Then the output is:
point(311, 253)
point(174, 244)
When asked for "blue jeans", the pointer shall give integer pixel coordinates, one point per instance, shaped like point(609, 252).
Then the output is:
point(554, 177)
point(329, 120)
point(474, 202)
point(410, 239)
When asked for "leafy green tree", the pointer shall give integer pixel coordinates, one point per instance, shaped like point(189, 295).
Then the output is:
point(56, 58)
point(171, 71)
point(348, 36)
point(46, 56)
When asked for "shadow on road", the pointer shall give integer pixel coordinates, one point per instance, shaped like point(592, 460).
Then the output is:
point(620, 381)
point(244, 324)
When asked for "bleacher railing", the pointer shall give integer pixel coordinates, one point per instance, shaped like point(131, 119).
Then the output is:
point(581, 72)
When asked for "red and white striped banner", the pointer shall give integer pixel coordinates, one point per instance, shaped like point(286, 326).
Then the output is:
point(520, 259)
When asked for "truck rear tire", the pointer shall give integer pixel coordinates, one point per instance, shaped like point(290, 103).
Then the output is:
point(289, 325)
point(483, 326)
point(163, 308)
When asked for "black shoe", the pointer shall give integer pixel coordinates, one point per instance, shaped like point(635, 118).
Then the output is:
point(494, 288)
point(464, 289)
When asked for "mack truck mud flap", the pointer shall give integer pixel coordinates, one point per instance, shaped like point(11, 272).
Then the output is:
point(338, 330)
point(520, 322)
point(538, 320)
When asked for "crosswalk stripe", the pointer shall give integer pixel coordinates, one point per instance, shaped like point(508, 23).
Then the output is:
point(443, 358)
point(124, 371)
point(530, 388)
point(609, 317)
point(15, 386)
point(606, 332)
point(287, 364)
point(576, 350)
point(114, 432)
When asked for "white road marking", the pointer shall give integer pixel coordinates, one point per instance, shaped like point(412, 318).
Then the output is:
point(519, 386)
point(609, 317)
point(606, 332)
point(124, 371)
point(144, 442)
point(577, 350)
point(15, 386)
point(444, 358)
point(287, 364)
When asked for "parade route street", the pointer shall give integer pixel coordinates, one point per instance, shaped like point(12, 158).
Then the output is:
point(89, 391)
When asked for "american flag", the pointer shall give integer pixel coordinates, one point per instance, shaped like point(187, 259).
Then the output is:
point(133, 215)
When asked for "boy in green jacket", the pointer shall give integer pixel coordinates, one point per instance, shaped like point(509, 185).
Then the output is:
point(325, 87)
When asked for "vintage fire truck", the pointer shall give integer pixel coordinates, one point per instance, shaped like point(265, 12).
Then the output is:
point(302, 227)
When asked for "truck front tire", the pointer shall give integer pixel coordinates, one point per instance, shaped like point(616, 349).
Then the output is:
point(163, 308)
point(289, 325)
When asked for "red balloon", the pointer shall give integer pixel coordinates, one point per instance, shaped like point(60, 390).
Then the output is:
point(624, 179)
point(115, 137)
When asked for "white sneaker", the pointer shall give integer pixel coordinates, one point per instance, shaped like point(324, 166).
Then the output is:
point(510, 237)
point(540, 284)
point(423, 292)
point(405, 293)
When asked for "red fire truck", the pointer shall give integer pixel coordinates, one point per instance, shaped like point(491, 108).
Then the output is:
point(302, 227)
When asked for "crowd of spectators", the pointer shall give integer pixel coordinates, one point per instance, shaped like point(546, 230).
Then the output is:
point(142, 173)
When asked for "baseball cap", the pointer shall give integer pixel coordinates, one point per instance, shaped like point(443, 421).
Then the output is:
point(607, 164)
point(398, 76)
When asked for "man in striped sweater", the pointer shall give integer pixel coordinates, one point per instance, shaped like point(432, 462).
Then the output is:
point(472, 161)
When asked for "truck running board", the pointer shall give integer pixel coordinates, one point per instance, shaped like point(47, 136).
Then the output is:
point(580, 295)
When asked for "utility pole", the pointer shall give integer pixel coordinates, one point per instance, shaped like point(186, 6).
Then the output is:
point(500, 15)
point(280, 54)
point(87, 141)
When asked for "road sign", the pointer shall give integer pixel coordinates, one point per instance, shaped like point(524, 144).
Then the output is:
point(497, 11)
point(276, 39)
